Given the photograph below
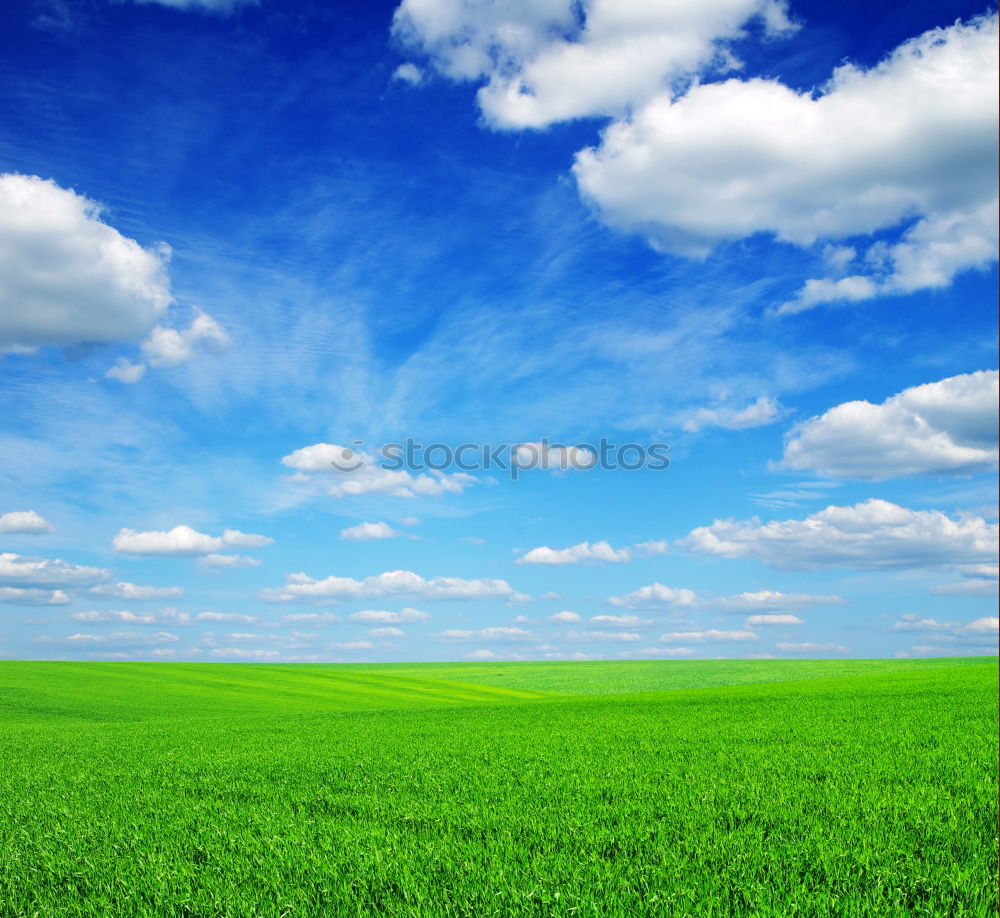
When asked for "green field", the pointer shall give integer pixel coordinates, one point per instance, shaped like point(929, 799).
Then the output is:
point(578, 789)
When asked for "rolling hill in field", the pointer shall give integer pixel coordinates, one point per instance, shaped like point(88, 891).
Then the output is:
point(576, 789)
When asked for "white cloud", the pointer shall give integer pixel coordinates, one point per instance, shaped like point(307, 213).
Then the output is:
point(403, 616)
point(940, 428)
point(552, 457)
point(244, 539)
point(218, 7)
point(402, 584)
point(496, 633)
point(351, 645)
point(988, 625)
point(974, 587)
point(658, 596)
point(310, 618)
point(872, 535)
point(367, 532)
point(170, 347)
point(30, 596)
point(554, 60)
point(774, 620)
point(21, 570)
point(124, 616)
point(756, 414)
point(114, 638)
point(654, 596)
point(657, 652)
point(620, 619)
point(593, 553)
point(233, 617)
point(182, 541)
point(651, 549)
point(712, 635)
point(24, 522)
point(133, 592)
point(809, 647)
point(912, 138)
point(615, 636)
point(928, 256)
point(125, 371)
point(492, 655)
point(245, 653)
point(388, 632)
point(770, 600)
point(228, 562)
point(408, 73)
point(73, 278)
point(345, 472)
point(565, 616)
point(583, 553)
point(979, 631)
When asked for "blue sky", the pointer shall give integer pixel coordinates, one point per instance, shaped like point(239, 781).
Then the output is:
point(236, 237)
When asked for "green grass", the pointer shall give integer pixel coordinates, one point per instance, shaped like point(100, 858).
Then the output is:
point(591, 789)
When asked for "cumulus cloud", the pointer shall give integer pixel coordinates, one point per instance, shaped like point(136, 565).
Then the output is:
point(497, 633)
point(351, 645)
point(872, 535)
point(125, 616)
point(774, 620)
point(245, 653)
point(310, 618)
point(408, 73)
point(114, 638)
point(170, 347)
point(32, 596)
point(228, 562)
point(66, 277)
point(401, 584)
point(235, 618)
point(564, 616)
point(979, 631)
point(125, 371)
point(655, 652)
point(344, 472)
point(913, 138)
point(182, 542)
point(762, 600)
point(973, 587)
point(554, 60)
point(388, 632)
point(809, 647)
point(133, 592)
point(928, 256)
point(592, 553)
point(654, 596)
point(403, 616)
point(552, 457)
point(614, 636)
point(658, 596)
point(756, 414)
point(367, 532)
point(620, 620)
point(583, 553)
point(492, 655)
point(712, 635)
point(940, 428)
point(21, 570)
point(24, 522)
point(218, 7)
